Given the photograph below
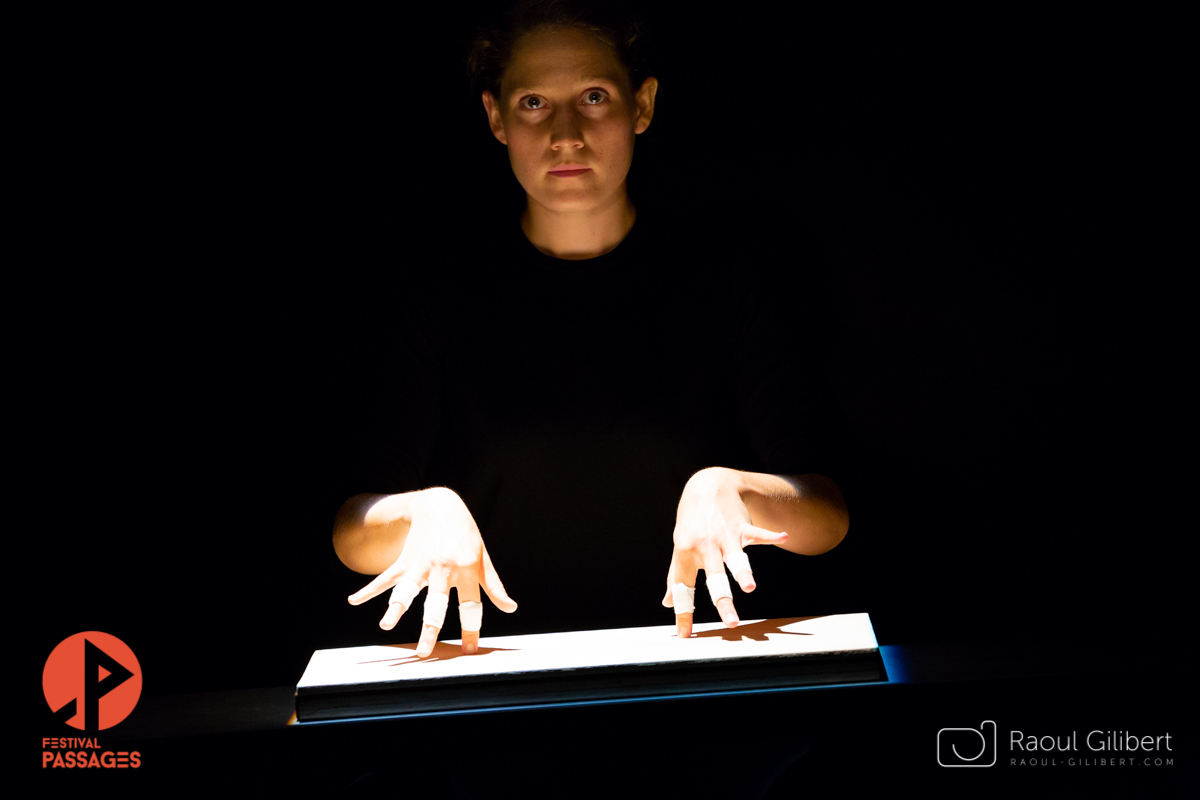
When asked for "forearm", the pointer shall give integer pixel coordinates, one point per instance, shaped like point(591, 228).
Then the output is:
point(810, 508)
point(370, 529)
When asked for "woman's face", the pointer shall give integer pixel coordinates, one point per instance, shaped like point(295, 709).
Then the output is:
point(568, 115)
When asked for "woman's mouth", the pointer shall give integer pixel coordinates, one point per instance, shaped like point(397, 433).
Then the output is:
point(569, 170)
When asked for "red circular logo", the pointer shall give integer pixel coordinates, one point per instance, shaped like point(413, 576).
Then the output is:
point(92, 681)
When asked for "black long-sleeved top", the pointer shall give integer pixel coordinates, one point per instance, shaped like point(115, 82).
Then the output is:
point(568, 402)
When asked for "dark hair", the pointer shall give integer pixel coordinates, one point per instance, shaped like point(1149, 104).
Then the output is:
point(612, 22)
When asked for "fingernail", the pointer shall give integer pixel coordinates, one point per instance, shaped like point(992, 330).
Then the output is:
point(470, 649)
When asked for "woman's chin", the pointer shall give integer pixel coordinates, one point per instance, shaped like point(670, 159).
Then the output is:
point(570, 202)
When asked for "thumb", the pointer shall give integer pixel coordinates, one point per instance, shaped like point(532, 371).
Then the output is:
point(494, 588)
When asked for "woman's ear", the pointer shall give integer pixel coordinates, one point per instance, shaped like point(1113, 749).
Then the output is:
point(493, 111)
point(645, 104)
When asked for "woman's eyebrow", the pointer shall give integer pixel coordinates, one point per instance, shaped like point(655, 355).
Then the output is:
point(600, 79)
point(582, 82)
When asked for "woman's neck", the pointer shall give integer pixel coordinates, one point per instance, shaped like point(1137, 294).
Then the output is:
point(577, 235)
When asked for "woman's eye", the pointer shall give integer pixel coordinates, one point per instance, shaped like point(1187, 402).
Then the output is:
point(532, 102)
point(594, 97)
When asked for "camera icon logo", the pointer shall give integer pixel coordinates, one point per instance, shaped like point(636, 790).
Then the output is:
point(967, 747)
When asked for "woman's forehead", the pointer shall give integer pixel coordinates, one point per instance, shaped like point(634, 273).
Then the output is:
point(561, 58)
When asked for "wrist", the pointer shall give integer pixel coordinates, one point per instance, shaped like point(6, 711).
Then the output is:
point(395, 509)
point(370, 531)
point(761, 493)
point(715, 479)
point(390, 509)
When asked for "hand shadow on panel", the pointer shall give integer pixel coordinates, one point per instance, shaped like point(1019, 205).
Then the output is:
point(756, 631)
point(441, 652)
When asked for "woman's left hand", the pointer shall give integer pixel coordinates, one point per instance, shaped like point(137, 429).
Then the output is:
point(712, 526)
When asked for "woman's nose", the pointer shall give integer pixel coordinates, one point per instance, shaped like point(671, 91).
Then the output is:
point(567, 134)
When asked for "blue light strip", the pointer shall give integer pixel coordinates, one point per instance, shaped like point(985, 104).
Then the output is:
point(604, 702)
point(895, 663)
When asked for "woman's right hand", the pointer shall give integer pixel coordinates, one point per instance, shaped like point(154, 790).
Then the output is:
point(443, 548)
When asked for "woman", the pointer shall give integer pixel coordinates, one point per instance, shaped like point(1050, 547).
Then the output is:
point(596, 421)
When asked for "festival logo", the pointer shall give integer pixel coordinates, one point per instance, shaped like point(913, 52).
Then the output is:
point(92, 681)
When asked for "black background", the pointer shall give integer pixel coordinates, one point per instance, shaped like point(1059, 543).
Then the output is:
point(997, 194)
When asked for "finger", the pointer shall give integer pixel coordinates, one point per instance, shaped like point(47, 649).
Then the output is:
point(494, 588)
point(683, 598)
point(739, 565)
point(469, 609)
point(436, 600)
point(400, 600)
point(754, 535)
point(429, 635)
point(392, 616)
point(381, 584)
point(728, 613)
point(686, 569)
point(718, 587)
point(668, 600)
